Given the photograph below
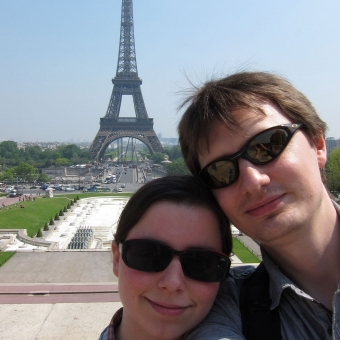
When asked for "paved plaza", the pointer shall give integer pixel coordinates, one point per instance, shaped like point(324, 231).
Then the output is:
point(58, 267)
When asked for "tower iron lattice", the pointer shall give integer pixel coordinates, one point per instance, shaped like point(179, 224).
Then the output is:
point(126, 82)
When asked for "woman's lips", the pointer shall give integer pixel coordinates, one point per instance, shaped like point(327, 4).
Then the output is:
point(167, 309)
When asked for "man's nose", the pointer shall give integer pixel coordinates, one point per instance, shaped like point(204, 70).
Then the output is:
point(252, 177)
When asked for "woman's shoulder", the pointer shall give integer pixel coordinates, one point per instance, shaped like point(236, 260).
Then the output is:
point(109, 332)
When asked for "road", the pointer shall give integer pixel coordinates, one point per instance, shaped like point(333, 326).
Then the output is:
point(133, 178)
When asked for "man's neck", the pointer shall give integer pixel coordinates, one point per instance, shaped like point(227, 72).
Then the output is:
point(311, 258)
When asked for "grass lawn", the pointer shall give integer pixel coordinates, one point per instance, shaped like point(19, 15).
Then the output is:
point(4, 257)
point(33, 216)
point(37, 213)
point(243, 253)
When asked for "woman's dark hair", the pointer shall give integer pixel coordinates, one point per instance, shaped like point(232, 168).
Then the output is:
point(182, 190)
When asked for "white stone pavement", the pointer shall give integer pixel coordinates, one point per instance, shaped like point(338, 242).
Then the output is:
point(60, 321)
point(98, 213)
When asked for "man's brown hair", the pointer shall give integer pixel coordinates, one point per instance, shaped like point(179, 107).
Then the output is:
point(218, 99)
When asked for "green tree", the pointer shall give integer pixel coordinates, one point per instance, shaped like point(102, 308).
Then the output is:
point(26, 172)
point(8, 148)
point(10, 153)
point(68, 151)
point(55, 155)
point(47, 163)
point(174, 152)
point(43, 177)
point(61, 161)
point(157, 157)
point(145, 153)
point(85, 154)
point(32, 152)
point(177, 167)
point(333, 170)
point(7, 175)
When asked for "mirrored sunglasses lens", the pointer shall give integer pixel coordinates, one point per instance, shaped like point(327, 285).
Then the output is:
point(268, 145)
point(204, 266)
point(219, 174)
point(147, 256)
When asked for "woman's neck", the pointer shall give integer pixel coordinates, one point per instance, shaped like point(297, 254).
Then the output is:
point(129, 331)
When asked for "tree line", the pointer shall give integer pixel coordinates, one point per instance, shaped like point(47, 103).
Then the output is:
point(63, 155)
point(333, 171)
point(177, 165)
point(23, 163)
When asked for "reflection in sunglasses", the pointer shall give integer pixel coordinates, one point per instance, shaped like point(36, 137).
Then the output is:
point(260, 149)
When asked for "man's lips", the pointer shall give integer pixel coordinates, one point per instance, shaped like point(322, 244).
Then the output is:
point(264, 207)
point(167, 309)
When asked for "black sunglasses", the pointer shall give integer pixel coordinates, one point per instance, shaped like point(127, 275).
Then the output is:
point(153, 256)
point(260, 149)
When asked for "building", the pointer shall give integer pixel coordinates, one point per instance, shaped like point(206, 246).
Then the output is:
point(331, 143)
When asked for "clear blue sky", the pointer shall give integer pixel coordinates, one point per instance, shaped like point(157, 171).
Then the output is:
point(58, 57)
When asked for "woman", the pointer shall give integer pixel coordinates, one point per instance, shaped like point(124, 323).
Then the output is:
point(170, 252)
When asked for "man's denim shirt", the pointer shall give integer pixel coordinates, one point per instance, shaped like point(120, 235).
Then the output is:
point(301, 316)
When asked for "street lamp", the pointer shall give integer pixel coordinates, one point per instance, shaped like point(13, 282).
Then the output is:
point(78, 178)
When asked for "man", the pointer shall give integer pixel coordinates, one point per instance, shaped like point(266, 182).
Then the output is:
point(277, 198)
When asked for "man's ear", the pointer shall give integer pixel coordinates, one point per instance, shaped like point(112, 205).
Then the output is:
point(116, 257)
point(321, 150)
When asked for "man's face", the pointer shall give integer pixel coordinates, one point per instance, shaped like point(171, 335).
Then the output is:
point(274, 201)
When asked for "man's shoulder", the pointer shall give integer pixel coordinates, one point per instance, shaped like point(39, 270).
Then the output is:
point(241, 272)
point(233, 283)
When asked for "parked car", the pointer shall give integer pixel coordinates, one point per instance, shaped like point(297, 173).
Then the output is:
point(100, 189)
point(12, 193)
point(91, 189)
point(120, 190)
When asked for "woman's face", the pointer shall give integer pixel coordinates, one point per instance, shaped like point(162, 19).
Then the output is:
point(166, 304)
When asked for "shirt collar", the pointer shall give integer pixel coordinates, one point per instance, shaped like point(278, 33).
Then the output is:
point(279, 281)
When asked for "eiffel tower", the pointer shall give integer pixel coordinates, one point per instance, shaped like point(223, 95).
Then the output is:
point(126, 82)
